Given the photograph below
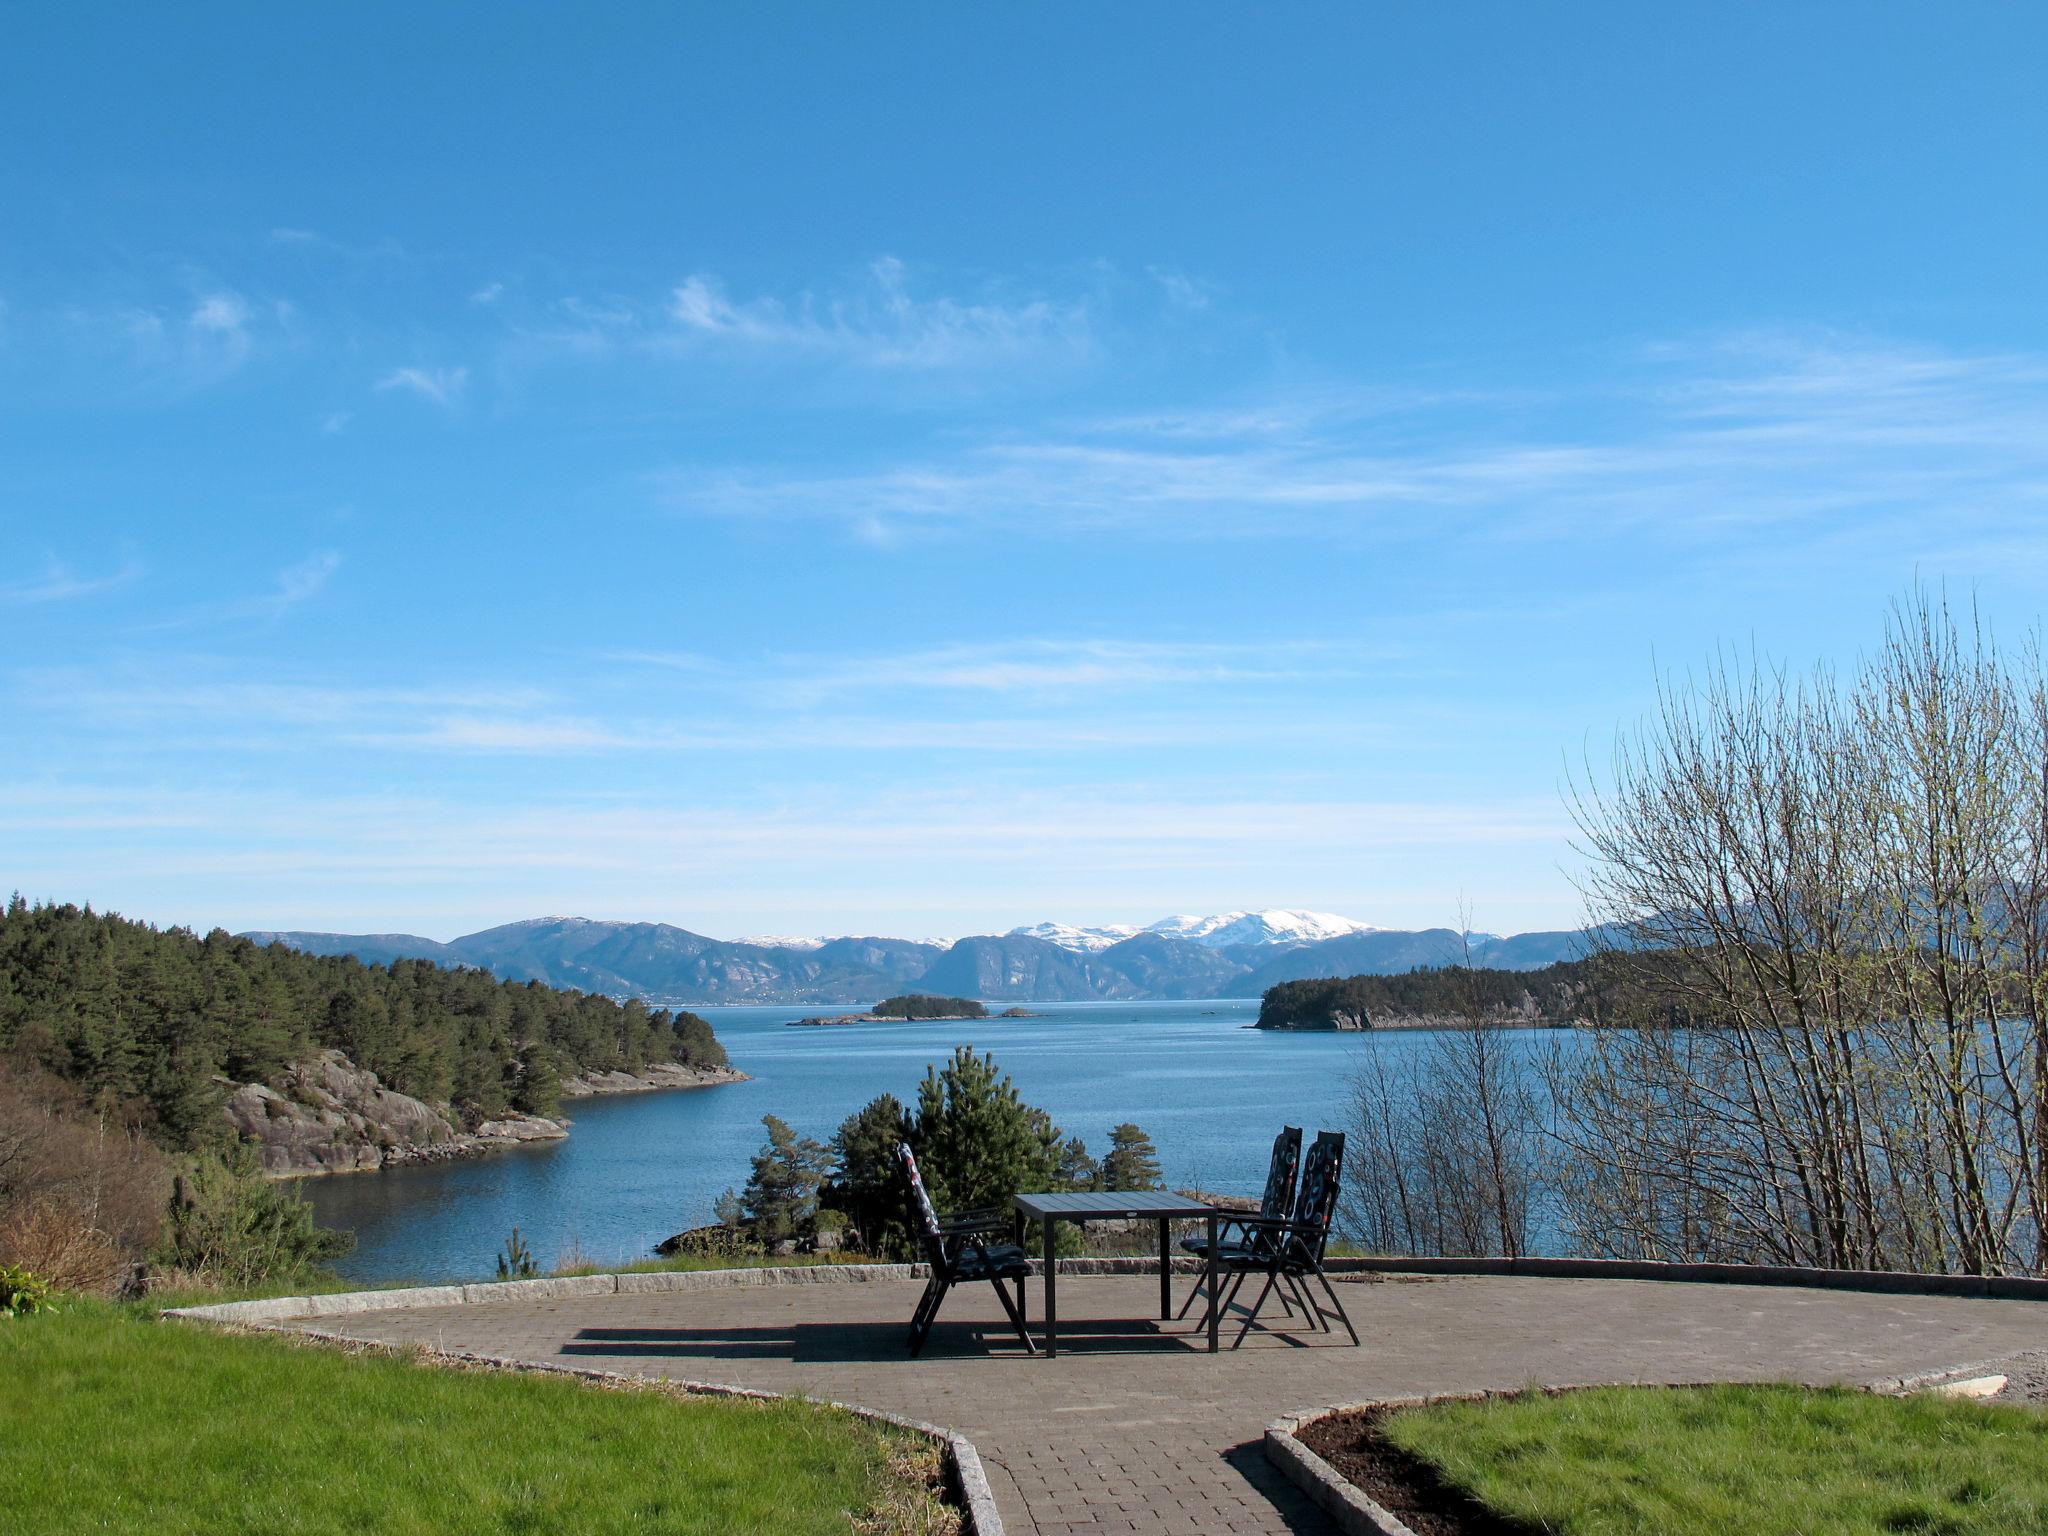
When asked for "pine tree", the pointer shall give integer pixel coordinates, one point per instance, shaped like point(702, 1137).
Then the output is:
point(1077, 1169)
point(781, 1197)
point(977, 1143)
point(865, 1184)
point(1131, 1163)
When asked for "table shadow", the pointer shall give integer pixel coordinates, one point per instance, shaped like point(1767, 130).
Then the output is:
point(850, 1343)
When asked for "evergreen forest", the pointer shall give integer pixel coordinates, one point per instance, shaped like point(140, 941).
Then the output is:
point(158, 1022)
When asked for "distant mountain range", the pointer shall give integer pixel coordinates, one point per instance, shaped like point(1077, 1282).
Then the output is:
point(1231, 954)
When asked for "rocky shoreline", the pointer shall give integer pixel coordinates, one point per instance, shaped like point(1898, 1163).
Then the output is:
point(1353, 1023)
point(657, 1075)
point(839, 1020)
point(331, 1116)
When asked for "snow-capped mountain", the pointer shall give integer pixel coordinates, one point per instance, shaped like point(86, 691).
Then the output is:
point(1276, 928)
point(1279, 927)
point(1085, 941)
point(1229, 954)
point(779, 941)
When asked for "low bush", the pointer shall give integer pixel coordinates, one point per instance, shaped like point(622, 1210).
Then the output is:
point(230, 1226)
point(81, 1190)
point(21, 1292)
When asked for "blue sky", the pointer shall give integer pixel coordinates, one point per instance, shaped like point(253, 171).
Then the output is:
point(924, 469)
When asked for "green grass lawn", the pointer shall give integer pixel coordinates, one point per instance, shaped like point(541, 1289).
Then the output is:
point(113, 1423)
point(1766, 1461)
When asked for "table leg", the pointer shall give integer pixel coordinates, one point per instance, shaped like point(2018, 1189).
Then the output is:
point(1052, 1264)
point(1017, 1237)
point(1165, 1273)
point(1215, 1312)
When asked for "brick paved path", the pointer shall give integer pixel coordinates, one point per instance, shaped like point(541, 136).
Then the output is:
point(1132, 1428)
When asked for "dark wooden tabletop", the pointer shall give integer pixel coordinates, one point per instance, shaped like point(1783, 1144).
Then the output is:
point(1110, 1205)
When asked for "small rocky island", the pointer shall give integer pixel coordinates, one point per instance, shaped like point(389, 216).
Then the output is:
point(920, 1006)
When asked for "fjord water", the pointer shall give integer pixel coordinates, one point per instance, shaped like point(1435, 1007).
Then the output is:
point(1208, 1089)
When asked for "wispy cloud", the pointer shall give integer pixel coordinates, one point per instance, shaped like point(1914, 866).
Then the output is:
point(1030, 700)
point(300, 583)
point(173, 343)
point(1756, 431)
point(1077, 666)
point(222, 314)
point(882, 322)
point(1182, 291)
point(291, 588)
point(956, 839)
point(669, 661)
point(60, 583)
point(442, 386)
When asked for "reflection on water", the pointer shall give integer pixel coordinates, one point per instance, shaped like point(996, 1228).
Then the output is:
point(637, 1167)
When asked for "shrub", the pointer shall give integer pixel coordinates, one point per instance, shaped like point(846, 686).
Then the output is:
point(516, 1262)
point(81, 1191)
point(21, 1292)
point(228, 1225)
point(726, 1243)
point(60, 1243)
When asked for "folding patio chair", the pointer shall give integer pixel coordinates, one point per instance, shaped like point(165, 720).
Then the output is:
point(1232, 1232)
point(1294, 1247)
point(957, 1248)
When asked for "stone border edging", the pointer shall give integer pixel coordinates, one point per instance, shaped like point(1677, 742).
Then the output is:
point(345, 1303)
point(1356, 1513)
point(1887, 1281)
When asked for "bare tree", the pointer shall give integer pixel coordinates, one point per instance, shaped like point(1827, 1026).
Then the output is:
point(1448, 1138)
point(1826, 898)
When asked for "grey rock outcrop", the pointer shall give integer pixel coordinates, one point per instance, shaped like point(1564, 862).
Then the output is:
point(655, 1075)
point(328, 1115)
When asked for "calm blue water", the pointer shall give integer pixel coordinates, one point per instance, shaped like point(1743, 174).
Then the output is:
point(1210, 1091)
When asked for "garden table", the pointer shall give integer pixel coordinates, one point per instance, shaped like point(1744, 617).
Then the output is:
point(1048, 1210)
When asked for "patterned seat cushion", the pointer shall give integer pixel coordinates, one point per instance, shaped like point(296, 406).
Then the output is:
point(1003, 1261)
point(1231, 1251)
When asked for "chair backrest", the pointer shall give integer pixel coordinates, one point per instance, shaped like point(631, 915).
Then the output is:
point(1317, 1203)
point(924, 1221)
point(1278, 1201)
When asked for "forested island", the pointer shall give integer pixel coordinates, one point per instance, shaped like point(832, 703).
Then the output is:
point(921, 1005)
point(1434, 998)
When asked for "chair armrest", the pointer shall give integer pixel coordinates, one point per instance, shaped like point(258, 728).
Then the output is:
point(1253, 1219)
point(975, 1221)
